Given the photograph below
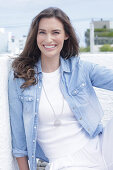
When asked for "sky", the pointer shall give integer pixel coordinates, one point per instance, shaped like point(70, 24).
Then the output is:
point(16, 15)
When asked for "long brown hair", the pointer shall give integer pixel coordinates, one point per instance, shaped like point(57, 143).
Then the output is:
point(24, 64)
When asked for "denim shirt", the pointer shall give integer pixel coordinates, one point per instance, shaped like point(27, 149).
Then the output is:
point(76, 83)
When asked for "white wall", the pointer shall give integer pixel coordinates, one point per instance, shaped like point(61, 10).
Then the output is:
point(7, 162)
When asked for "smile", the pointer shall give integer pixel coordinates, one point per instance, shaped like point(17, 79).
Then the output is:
point(49, 46)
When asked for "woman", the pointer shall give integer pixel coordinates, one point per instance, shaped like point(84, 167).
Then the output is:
point(55, 113)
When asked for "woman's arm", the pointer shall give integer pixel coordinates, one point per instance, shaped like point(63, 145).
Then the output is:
point(23, 163)
point(19, 146)
point(100, 76)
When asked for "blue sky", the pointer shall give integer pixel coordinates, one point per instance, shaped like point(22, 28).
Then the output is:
point(16, 15)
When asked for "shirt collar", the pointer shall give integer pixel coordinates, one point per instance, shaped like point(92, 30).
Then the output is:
point(39, 68)
point(66, 64)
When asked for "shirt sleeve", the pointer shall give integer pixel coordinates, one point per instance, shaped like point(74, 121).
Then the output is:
point(101, 76)
point(19, 147)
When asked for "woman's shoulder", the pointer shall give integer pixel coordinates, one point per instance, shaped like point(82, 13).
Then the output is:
point(86, 64)
point(81, 63)
point(13, 81)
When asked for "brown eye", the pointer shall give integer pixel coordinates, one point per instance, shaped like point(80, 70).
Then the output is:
point(41, 32)
point(56, 32)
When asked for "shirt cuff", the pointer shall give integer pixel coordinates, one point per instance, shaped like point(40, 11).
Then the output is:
point(19, 153)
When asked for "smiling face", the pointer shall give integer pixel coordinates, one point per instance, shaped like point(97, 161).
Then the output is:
point(50, 37)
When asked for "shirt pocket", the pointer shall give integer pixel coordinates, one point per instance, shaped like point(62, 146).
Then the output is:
point(80, 93)
point(28, 104)
point(78, 89)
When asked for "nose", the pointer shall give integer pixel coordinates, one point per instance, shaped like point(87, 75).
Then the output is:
point(49, 38)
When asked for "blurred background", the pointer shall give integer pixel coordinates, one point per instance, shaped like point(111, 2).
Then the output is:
point(91, 19)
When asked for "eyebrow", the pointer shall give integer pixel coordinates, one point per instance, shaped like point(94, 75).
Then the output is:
point(52, 30)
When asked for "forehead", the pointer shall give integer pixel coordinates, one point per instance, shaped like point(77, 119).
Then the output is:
point(50, 23)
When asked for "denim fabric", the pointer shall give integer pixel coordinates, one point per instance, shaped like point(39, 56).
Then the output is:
point(76, 83)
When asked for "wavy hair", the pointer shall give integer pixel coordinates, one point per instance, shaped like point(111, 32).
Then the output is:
point(24, 64)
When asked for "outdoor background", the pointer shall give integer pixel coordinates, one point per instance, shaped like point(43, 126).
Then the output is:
point(16, 15)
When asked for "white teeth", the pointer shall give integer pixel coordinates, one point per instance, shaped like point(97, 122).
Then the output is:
point(49, 46)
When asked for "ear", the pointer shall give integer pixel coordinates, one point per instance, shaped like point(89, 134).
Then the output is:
point(66, 37)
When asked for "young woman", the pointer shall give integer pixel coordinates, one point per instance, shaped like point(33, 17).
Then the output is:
point(55, 113)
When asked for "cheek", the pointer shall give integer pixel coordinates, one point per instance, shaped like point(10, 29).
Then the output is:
point(61, 41)
point(39, 40)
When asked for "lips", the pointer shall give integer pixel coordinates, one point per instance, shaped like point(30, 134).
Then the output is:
point(49, 46)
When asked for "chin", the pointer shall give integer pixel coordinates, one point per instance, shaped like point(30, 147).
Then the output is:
point(51, 55)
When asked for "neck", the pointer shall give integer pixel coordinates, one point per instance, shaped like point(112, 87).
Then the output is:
point(49, 65)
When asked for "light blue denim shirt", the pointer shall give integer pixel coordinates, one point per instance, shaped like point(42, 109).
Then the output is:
point(76, 83)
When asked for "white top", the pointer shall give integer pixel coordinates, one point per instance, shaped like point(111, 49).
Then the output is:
point(57, 141)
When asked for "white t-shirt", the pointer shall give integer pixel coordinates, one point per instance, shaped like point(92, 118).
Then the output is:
point(69, 137)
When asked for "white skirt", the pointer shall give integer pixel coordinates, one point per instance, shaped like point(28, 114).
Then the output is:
point(97, 156)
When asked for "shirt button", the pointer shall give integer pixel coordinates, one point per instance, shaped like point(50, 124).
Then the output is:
point(75, 92)
point(37, 99)
point(83, 84)
point(33, 141)
point(32, 156)
point(30, 98)
point(80, 118)
point(39, 87)
point(34, 127)
point(73, 108)
point(35, 113)
point(88, 129)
